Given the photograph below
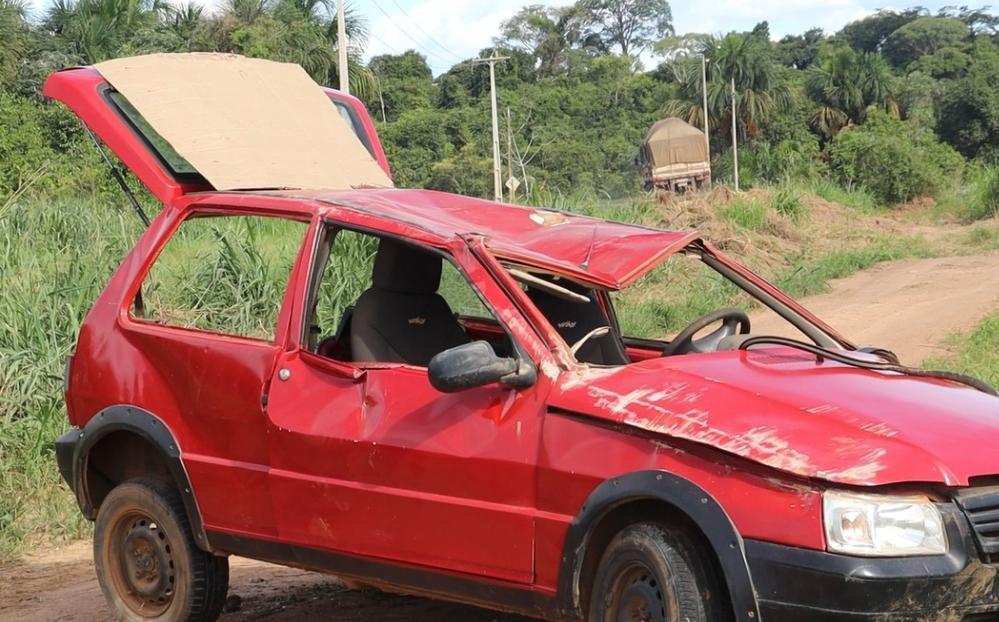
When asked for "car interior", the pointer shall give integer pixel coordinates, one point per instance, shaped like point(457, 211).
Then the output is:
point(413, 304)
point(406, 304)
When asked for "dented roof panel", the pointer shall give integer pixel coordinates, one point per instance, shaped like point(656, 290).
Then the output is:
point(608, 254)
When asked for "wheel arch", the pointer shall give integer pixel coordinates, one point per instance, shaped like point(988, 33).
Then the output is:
point(644, 491)
point(130, 431)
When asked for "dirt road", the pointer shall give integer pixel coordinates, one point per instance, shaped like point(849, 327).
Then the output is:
point(909, 306)
point(59, 585)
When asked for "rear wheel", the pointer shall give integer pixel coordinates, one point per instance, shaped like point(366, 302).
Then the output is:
point(650, 573)
point(147, 562)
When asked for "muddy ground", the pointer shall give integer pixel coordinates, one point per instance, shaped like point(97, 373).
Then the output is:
point(60, 585)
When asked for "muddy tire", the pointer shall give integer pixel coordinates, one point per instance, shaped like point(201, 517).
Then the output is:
point(147, 562)
point(650, 573)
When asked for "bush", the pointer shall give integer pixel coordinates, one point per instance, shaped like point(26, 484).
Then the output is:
point(43, 146)
point(893, 160)
point(984, 199)
point(786, 202)
point(746, 213)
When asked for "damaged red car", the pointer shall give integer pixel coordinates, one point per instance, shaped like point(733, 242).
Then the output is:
point(480, 402)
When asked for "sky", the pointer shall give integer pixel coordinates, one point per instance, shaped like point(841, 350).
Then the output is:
point(448, 31)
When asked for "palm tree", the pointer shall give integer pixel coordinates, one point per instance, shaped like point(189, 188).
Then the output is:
point(97, 29)
point(296, 31)
point(13, 36)
point(749, 60)
point(844, 84)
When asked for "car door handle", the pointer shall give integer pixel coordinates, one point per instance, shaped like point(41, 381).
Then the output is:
point(284, 374)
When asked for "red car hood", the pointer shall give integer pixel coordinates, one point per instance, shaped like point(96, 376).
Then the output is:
point(787, 411)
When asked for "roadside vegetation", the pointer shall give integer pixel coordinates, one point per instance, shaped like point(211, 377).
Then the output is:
point(975, 353)
point(871, 144)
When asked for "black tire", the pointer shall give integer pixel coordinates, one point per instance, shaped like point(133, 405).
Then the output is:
point(652, 573)
point(147, 562)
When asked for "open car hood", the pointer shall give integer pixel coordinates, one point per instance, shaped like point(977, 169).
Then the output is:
point(217, 121)
point(783, 409)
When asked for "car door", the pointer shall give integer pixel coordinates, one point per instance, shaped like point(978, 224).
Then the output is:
point(206, 319)
point(369, 459)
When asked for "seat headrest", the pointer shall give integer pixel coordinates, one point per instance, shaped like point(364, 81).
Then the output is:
point(406, 269)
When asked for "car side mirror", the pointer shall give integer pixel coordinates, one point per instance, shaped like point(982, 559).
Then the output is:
point(476, 365)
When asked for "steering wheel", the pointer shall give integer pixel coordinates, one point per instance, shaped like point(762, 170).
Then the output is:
point(731, 319)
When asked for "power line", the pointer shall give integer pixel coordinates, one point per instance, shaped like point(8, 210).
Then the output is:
point(408, 36)
point(382, 41)
point(425, 33)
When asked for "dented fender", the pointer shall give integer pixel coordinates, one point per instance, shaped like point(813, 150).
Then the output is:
point(785, 410)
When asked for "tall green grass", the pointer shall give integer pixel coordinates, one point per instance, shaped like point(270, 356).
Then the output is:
point(811, 275)
point(854, 198)
point(977, 353)
point(55, 258)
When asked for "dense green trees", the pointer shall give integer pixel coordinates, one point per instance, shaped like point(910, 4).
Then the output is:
point(869, 105)
point(844, 84)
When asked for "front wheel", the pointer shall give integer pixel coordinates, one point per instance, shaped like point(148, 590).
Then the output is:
point(653, 574)
point(147, 562)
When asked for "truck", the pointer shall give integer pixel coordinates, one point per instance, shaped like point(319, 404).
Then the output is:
point(674, 157)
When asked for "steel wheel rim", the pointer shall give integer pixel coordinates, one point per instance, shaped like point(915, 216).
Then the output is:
point(141, 564)
point(637, 596)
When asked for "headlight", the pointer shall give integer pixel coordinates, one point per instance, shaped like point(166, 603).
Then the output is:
point(882, 525)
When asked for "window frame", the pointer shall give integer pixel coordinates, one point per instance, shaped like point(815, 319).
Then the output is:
point(314, 279)
point(128, 320)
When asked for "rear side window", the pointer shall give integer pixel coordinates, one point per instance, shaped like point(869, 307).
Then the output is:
point(350, 116)
point(222, 274)
point(166, 153)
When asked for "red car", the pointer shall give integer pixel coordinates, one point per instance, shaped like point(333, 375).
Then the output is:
point(443, 396)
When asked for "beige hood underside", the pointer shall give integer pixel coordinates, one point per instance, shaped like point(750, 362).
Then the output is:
point(246, 123)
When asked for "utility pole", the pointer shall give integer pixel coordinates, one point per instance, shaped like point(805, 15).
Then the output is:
point(341, 44)
point(704, 83)
point(735, 137)
point(497, 173)
point(509, 155)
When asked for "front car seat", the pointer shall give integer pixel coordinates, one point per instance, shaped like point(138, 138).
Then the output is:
point(575, 319)
point(402, 318)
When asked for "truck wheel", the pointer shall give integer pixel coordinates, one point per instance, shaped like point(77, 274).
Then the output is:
point(650, 573)
point(147, 562)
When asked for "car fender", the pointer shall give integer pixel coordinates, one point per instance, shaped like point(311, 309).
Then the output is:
point(699, 506)
point(73, 452)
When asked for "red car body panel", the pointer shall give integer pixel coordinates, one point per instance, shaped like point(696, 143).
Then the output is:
point(586, 248)
point(783, 409)
point(486, 484)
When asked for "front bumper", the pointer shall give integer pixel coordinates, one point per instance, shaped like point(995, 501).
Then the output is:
point(799, 585)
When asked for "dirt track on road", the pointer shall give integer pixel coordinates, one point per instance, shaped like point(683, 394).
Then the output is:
point(909, 306)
